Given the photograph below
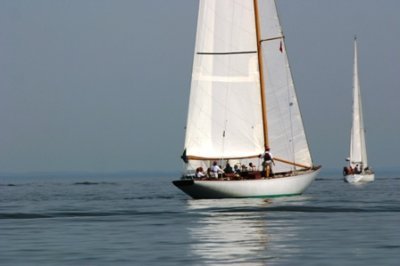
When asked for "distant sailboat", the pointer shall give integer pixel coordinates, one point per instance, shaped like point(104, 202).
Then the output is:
point(358, 169)
point(243, 103)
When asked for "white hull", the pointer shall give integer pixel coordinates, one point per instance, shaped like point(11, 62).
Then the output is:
point(262, 188)
point(359, 178)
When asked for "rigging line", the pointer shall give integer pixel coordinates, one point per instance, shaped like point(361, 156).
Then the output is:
point(272, 39)
point(291, 105)
point(223, 140)
point(226, 53)
point(227, 90)
point(294, 88)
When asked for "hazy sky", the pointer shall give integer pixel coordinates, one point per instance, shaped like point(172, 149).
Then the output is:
point(101, 85)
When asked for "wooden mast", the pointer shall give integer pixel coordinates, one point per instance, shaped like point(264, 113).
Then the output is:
point(261, 70)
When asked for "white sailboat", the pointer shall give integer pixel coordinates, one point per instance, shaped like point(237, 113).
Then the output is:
point(358, 169)
point(243, 101)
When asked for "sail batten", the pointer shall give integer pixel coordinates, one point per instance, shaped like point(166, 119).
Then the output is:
point(272, 39)
point(226, 53)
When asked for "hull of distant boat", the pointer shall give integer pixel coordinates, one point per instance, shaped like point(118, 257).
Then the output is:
point(260, 188)
point(359, 178)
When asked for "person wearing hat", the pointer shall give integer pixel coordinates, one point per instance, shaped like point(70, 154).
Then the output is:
point(268, 161)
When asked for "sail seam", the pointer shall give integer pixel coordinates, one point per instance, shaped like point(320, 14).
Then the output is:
point(272, 39)
point(226, 53)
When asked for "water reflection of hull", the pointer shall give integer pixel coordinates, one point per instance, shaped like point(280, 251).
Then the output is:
point(228, 231)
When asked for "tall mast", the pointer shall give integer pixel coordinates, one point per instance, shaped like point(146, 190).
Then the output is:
point(261, 70)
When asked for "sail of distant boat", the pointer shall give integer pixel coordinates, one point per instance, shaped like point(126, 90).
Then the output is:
point(358, 169)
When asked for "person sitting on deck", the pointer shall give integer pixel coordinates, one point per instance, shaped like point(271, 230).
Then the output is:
point(252, 167)
point(236, 169)
point(215, 170)
point(209, 172)
point(347, 170)
point(200, 172)
point(357, 169)
point(228, 168)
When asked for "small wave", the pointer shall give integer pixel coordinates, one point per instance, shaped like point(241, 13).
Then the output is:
point(311, 209)
point(156, 197)
point(94, 183)
point(74, 214)
point(22, 216)
point(324, 179)
point(389, 247)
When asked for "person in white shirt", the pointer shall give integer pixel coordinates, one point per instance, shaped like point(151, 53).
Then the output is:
point(200, 172)
point(215, 170)
point(252, 167)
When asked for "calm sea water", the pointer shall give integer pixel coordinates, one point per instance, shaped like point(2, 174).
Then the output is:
point(146, 221)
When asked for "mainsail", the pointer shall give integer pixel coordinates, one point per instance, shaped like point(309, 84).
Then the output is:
point(225, 118)
point(358, 151)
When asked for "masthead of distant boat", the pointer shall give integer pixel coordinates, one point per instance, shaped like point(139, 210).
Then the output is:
point(358, 170)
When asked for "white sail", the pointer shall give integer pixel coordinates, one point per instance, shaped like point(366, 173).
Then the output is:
point(287, 138)
point(225, 119)
point(228, 117)
point(358, 151)
point(225, 114)
point(359, 170)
